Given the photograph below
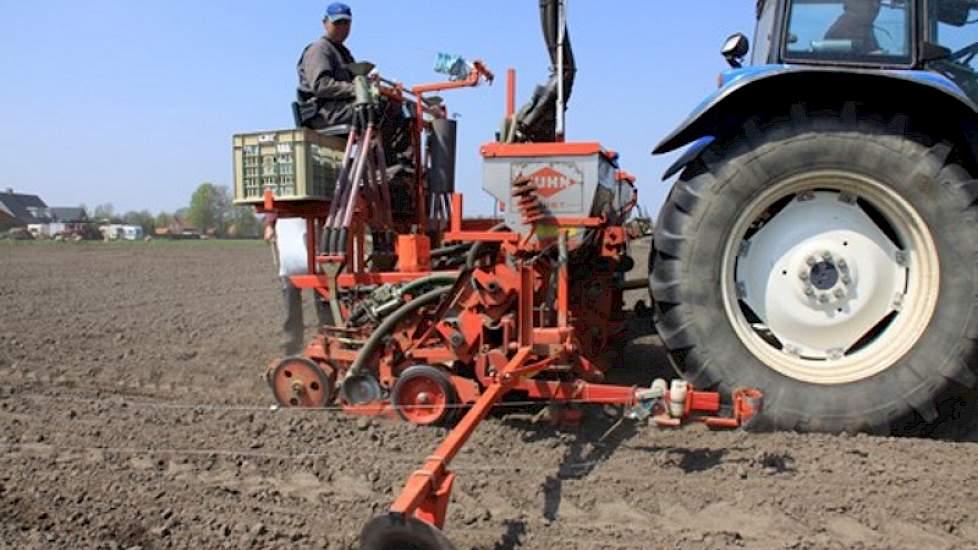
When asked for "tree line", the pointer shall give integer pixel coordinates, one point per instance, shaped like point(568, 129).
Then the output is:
point(211, 212)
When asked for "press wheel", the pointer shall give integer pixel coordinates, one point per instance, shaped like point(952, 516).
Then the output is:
point(424, 395)
point(387, 532)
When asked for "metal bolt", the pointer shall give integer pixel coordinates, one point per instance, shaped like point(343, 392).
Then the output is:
point(823, 298)
point(846, 280)
point(901, 257)
point(839, 293)
point(803, 276)
point(842, 264)
point(810, 292)
point(847, 198)
point(811, 260)
point(827, 256)
point(805, 196)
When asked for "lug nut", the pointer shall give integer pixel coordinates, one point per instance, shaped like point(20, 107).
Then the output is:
point(841, 263)
point(811, 260)
point(839, 293)
point(846, 280)
point(803, 275)
point(826, 255)
point(823, 298)
point(809, 292)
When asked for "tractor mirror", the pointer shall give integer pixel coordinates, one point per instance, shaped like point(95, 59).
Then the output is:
point(934, 52)
point(734, 49)
point(954, 12)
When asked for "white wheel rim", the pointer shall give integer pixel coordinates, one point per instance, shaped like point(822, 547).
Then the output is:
point(823, 291)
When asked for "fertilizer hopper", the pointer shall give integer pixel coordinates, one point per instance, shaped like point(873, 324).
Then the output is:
point(537, 182)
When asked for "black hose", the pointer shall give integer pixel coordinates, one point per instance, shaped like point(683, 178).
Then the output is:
point(437, 279)
point(400, 313)
point(391, 321)
point(477, 249)
point(450, 250)
point(550, 21)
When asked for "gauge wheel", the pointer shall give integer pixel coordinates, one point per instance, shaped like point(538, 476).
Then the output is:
point(424, 395)
point(301, 382)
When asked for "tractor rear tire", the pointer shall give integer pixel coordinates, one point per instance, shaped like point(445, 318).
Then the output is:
point(828, 260)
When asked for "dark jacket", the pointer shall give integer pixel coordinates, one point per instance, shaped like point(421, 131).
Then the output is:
point(323, 74)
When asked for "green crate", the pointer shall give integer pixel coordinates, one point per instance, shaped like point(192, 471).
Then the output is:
point(295, 165)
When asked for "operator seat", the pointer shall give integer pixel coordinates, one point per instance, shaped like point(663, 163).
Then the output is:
point(340, 130)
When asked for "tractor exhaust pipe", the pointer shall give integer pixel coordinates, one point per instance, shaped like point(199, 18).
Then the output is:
point(542, 118)
point(561, 41)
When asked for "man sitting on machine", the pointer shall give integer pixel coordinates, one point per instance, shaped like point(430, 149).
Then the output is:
point(326, 90)
point(856, 25)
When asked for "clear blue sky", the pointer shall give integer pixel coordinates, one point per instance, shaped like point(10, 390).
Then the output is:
point(134, 103)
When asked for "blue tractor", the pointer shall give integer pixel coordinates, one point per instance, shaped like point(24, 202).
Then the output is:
point(820, 242)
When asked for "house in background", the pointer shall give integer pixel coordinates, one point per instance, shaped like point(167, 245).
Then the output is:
point(20, 210)
point(177, 229)
point(69, 215)
point(7, 220)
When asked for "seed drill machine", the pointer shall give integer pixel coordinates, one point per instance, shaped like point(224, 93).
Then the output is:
point(436, 318)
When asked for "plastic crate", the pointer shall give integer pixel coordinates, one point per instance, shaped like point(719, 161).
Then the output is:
point(295, 165)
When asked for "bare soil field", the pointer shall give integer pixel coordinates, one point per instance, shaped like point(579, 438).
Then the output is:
point(132, 414)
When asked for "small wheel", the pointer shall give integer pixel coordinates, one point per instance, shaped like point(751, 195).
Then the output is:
point(424, 395)
point(387, 532)
point(300, 382)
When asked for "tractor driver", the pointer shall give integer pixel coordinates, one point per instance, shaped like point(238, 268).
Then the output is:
point(856, 25)
point(326, 90)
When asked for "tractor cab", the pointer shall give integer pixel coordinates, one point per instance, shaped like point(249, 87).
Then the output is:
point(940, 36)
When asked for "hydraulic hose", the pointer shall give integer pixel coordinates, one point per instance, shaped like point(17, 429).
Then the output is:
point(388, 325)
point(473, 254)
point(402, 312)
point(409, 288)
point(450, 250)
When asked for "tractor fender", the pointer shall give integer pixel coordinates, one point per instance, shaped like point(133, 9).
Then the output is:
point(745, 90)
point(689, 155)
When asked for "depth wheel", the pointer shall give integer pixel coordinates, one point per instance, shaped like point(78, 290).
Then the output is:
point(301, 382)
point(388, 533)
point(424, 395)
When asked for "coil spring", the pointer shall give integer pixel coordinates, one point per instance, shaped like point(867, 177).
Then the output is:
point(528, 202)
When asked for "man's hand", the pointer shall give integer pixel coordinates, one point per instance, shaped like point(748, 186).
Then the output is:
point(269, 233)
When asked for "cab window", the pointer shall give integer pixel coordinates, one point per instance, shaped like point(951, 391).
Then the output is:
point(877, 32)
point(954, 27)
point(764, 36)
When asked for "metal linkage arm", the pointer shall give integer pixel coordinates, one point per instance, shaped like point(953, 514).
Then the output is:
point(427, 490)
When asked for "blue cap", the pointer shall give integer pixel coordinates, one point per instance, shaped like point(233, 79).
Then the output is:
point(338, 11)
